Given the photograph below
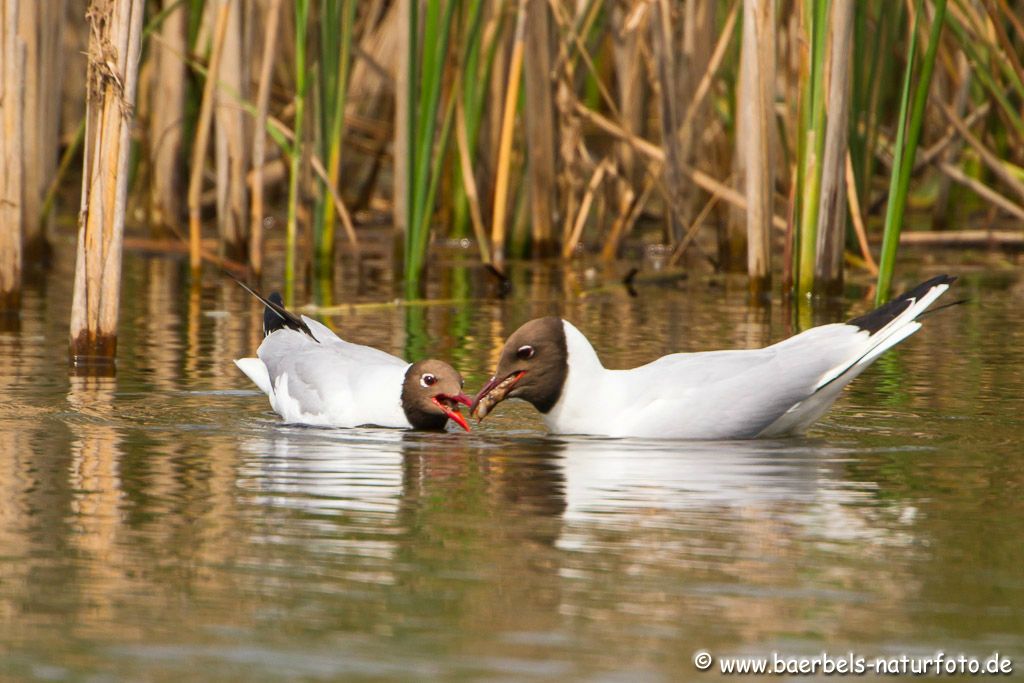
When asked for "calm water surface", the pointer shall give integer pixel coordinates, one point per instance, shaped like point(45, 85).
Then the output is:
point(164, 525)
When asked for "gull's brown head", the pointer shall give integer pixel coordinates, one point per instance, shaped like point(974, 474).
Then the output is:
point(533, 366)
point(431, 394)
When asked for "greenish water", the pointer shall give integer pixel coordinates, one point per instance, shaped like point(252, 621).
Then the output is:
point(164, 525)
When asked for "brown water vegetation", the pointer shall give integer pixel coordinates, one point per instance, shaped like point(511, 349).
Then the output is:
point(739, 133)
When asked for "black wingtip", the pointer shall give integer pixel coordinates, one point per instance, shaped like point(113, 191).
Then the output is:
point(276, 316)
point(272, 320)
point(873, 321)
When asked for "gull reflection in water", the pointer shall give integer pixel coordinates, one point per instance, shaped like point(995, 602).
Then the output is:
point(800, 482)
point(579, 480)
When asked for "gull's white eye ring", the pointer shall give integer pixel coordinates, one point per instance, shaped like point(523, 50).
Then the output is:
point(427, 380)
point(525, 352)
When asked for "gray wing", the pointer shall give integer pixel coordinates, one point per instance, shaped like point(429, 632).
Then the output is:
point(333, 377)
point(737, 394)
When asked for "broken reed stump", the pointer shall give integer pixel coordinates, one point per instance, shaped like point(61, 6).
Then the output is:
point(12, 80)
point(113, 65)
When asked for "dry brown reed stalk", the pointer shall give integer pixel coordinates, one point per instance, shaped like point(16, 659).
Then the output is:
point(664, 58)
point(853, 202)
point(403, 111)
point(989, 158)
point(1013, 239)
point(12, 74)
point(115, 40)
point(756, 102)
point(195, 184)
point(983, 190)
point(656, 154)
point(828, 266)
point(208, 250)
point(695, 52)
point(570, 133)
point(41, 25)
point(636, 207)
point(581, 217)
point(336, 200)
point(508, 120)
point(259, 143)
point(961, 98)
point(166, 120)
point(540, 121)
point(691, 234)
point(469, 182)
point(629, 76)
point(499, 15)
point(231, 140)
point(696, 103)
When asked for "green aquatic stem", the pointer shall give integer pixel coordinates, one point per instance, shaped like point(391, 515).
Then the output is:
point(813, 135)
point(301, 20)
point(335, 97)
point(908, 135)
point(424, 102)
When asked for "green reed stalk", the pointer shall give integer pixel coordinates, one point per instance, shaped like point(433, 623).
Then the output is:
point(301, 20)
point(908, 134)
point(813, 135)
point(474, 82)
point(874, 34)
point(424, 97)
point(336, 57)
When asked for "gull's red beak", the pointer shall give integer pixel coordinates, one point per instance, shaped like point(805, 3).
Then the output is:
point(442, 400)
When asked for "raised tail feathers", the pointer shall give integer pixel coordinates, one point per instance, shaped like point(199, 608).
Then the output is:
point(891, 323)
point(886, 326)
point(276, 316)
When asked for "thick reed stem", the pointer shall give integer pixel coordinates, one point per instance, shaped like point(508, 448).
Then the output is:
point(515, 70)
point(115, 40)
point(540, 125)
point(41, 25)
point(165, 125)
point(259, 143)
point(195, 184)
point(828, 267)
point(12, 74)
point(757, 89)
point(231, 136)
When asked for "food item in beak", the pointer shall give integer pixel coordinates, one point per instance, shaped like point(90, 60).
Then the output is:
point(492, 394)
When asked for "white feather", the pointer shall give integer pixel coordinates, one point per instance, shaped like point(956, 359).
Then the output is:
point(778, 390)
point(331, 383)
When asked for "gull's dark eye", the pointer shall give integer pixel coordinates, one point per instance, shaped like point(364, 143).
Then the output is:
point(428, 380)
point(525, 352)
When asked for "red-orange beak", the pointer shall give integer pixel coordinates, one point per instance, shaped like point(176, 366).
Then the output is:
point(448, 405)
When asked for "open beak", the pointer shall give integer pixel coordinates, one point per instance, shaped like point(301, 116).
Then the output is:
point(449, 406)
point(493, 393)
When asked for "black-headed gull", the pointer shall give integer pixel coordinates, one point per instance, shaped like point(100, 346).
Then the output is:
point(314, 377)
point(774, 391)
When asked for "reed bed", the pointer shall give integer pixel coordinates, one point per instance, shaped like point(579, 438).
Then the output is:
point(783, 138)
